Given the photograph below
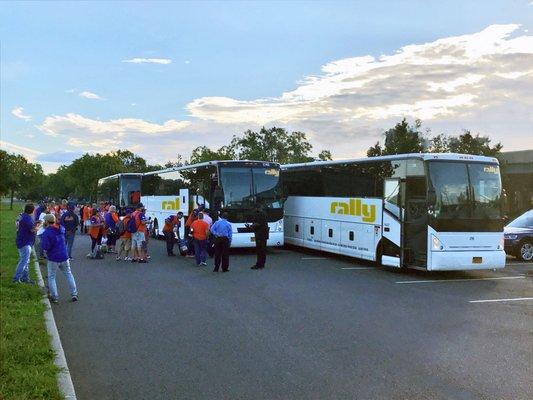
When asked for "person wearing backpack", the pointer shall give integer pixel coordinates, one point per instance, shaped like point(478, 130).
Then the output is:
point(125, 237)
point(171, 223)
point(137, 227)
point(111, 219)
point(96, 230)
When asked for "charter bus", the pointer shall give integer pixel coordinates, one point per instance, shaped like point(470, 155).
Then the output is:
point(424, 211)
point(234, 187)
point(121, 190)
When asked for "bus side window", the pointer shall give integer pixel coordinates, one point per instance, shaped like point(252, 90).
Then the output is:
point(330, 232)
point(296, 228)
point(351, 236)
point(312, 230)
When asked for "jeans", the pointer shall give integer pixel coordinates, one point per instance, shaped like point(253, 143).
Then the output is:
point(200, 250)
point(22, 272)
point(65, 268)
point(70, 241)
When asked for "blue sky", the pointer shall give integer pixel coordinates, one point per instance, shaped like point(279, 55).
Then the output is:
point(203, 71)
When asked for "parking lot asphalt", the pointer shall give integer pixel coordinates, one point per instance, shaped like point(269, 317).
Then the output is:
point(309, 326)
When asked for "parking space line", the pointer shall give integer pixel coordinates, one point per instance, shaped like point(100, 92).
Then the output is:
point(463, 280)
point(358, 268)
point(497, 300)
point(314, 258)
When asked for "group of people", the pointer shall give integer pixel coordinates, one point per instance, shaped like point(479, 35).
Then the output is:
point(52, 228)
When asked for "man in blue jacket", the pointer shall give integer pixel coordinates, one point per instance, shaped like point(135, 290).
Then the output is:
point(70, 221)
point(25, 238)
point(53, 242)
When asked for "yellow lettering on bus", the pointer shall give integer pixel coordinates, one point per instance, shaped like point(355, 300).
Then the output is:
point(355, 207)
point(171, 204)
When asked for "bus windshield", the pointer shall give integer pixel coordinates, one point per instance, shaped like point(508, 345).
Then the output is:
point(466, 190)
point(247, 188)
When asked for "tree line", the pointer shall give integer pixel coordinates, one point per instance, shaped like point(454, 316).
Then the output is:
point(79, 180)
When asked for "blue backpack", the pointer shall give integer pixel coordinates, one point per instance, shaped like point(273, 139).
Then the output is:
point(132, 225)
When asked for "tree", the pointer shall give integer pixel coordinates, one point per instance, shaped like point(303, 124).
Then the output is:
point(403, 138)
point(325, 155)
point(19, 177)
point(476, 145)
point(275, 145)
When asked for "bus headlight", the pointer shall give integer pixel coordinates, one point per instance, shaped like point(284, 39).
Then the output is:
point(502, 243)
point(510, 237)
point(279, 226)
point(436, 244)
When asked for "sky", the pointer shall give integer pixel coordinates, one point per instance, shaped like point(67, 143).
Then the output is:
point(161, 78)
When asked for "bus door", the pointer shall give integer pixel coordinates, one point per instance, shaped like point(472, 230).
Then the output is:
point(415, 221)
point(391, 241)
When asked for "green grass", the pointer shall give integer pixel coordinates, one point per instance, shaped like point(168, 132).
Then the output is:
point(27, 369)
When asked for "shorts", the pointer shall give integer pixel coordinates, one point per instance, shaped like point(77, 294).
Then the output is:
point(137, 240)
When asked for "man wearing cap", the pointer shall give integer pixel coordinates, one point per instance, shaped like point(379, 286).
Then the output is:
point(53, 242)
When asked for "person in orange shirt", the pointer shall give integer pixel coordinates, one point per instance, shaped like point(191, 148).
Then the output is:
point(125, 236)
point(138, 238)
point(87, 212)
point(171, 222)
point(200, 231)
point(96, 230)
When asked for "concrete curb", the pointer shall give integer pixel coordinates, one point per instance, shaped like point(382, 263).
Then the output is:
point(66, 387)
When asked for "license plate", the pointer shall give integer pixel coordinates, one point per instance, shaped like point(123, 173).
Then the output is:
point(252, 239)
point(477, 260)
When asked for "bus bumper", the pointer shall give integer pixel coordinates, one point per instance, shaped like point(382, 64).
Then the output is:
point(466, 260)
point(248, 239)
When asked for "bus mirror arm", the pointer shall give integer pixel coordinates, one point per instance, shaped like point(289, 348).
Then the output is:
point(432, 199)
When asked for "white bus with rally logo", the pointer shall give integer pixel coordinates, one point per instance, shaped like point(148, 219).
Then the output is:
point(237, 188)
point(424, 211)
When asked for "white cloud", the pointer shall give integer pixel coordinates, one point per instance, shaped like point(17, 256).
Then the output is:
point(163, 61)
point(91, 133)
point(90, 95)
point(452, 79)
point(19, 113)
point(30, 154)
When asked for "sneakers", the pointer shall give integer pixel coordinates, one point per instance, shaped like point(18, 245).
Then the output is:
point(148, 256)
point(53, 299)
point(141, 261)
point(133, 260)
point(74, 298)
point(27, 281)
point(118, 258)
point(203, 264)
point(127, 259)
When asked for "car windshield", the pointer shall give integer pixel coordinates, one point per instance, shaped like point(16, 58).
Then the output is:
point(523, 221)
point(466, 190)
